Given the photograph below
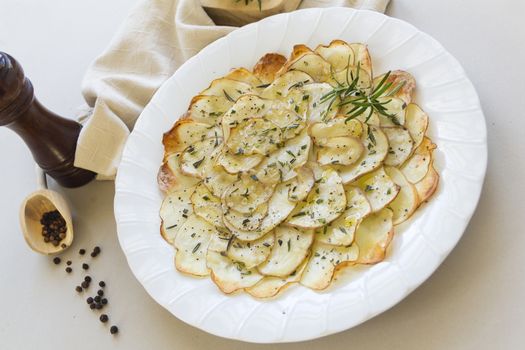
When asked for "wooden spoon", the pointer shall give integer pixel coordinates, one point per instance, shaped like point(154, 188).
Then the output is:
point(31, 211)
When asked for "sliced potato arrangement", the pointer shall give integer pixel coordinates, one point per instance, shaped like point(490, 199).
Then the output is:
point(288, 173)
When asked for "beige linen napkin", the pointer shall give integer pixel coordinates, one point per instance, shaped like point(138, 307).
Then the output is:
point(155, 39)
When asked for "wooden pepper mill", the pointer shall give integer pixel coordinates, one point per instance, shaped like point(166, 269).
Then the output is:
point(51, 138)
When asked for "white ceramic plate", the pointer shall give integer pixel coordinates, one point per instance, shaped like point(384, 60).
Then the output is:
point(457, 127)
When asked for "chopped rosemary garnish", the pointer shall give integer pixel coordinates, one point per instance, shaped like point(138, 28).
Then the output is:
point(228, 97)
point(198, 163)
point(196, 248)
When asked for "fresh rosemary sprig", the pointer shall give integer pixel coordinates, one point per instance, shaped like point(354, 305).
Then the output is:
point(362, 101)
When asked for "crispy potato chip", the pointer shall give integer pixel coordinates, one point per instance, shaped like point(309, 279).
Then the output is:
point(236, 163)
point(191, 243)
point(171, 178)
point(279, 207)
point(337, 127)
point(301, 185)
point(208, 109)
point(400, 145)
point(207, 206)
point(416, 167)
point(228, 88)
point(290, 123)
point(230, 275)
point(305, 60)
point(281, 86)
point(403, 81)
point(396, 110)
point(280, 165)
point(416, 122)
point(254, 136)
point(374, 235)
point(186, 132)
point(341, 231)
point(324, 203)
point(245, 221)
point(362, 57)
point(319, 108)
point(198, 156)
point(174, 211)
point(217, 180)
point(270, 286)
point(245, 76)
point(245, 108)
point(341, 150)
point(378, 188)
point(376, 149)
point(323, 260)
point(346, 76)
point(252, 253)
point(407, 201)
point(246, 194)
point(428, 184)
point(268, 66)
point(290, 249)
point(339, 54)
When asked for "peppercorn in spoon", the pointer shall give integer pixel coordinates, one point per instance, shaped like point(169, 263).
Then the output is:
point(45, 219)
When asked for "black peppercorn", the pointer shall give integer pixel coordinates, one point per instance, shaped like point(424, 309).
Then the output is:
point(92, 306)
point(85, 285)
point(68, 263)
point(87, 279)
point(104, 318)
point(89, 300)
point(103, 301)
point(85, 266)
point(100, 292)
point(113, 330)
point(102, 284)
point(69, 269)
point(82, 251)
point(56, 260)
point(97, 299)
point(99, 306)
point(78, 289)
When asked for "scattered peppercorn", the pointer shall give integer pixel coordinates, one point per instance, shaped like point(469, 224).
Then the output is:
point(85, 266)
point(102, 284)
point(87, 279)
point(68, 263)
point(92, 306)
point(56, 260)
point(97, 299)
point(82, 251)
point(99, 306)
point(89, 300)
point(113, 330)
point(85, 284)
point(78, 289)
point(103, 301)
point(100, 292)
point(104, 318)
point(69, 269)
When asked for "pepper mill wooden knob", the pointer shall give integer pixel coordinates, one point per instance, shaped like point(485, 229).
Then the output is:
point(51, 138)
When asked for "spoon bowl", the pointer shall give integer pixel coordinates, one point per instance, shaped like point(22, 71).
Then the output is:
point(31, 211)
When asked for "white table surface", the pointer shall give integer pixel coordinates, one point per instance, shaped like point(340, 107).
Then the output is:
point(474, 301)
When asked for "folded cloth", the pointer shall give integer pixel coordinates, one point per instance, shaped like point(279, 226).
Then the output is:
point(154, 40)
